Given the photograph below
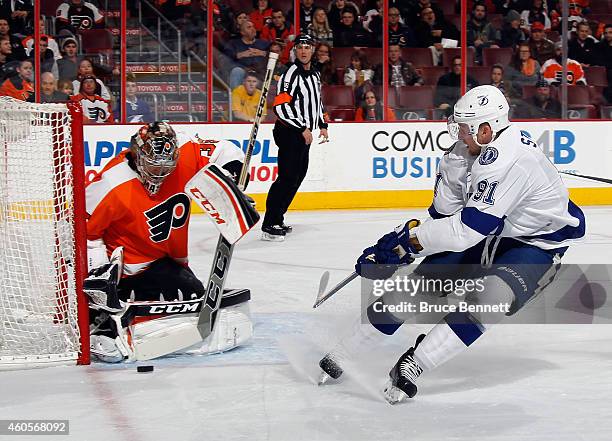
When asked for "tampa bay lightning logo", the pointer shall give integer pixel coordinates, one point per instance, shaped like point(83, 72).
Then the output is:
point(483, 100)
point(488, 156)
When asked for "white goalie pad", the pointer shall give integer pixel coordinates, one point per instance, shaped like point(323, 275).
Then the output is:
point(233, 328)
point(226, 206)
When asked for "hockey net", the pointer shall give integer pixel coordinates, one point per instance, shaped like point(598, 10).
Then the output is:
point(42, 236)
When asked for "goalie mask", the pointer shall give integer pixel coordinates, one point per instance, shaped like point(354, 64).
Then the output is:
point(155, 153)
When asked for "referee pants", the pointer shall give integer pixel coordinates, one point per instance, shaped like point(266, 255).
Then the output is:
point(292, 168)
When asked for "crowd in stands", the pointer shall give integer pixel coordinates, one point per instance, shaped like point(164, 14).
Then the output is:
point(515, 45)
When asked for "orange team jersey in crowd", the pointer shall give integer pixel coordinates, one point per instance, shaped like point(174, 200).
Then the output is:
point(552, 72)
point(122, 213)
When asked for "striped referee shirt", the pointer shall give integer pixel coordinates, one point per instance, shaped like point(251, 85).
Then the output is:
point(298, 101)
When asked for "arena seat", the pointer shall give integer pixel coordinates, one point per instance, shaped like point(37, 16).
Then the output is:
point(431, 74)
point(418, 56)
point(416, 97)
point(447, 6)
point(342, 114)
point(578, 95)
point(596, 75)
point(96, 40)
point(338, 96)
point(482, 74)
point(491, 56)
point(451, 52)
point(48, 8)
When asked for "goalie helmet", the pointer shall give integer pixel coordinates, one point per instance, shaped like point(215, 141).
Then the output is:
point(482, 104)
point(155, 154)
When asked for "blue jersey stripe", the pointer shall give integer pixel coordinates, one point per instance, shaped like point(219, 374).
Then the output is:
point(435, 214)
point(567, 232)
point(483, 223)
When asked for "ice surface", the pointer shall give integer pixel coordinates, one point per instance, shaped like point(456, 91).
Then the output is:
point(520, 382)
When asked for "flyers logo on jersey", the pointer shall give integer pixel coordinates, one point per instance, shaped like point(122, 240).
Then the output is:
point(172, 213)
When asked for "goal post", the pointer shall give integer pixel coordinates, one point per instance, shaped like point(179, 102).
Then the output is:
point(43, 261)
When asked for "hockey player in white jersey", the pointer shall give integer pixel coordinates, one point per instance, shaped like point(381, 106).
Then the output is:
point(499, 203)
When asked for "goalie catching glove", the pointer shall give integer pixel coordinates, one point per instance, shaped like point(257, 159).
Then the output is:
point(394, 248)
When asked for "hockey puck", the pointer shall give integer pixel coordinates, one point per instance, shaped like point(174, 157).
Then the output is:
point(148, 368)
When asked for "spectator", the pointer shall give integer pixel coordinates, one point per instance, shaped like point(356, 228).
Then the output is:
point(350, 33)
point(247, 52)
point(68, 65)
point(240, 18)
point(47, 57)
point(497, 77)
point(323, 63)
point(334, 12)
point(358, 74)
point(523, 70)
point(414, 10)
point(6, 52)
point(399, 34)
point(552, 70)
point(306, 14)
point(28, 42)
point(575, 16)
point(261, 15)
point(66, 87)
point(75, 15)
point(581, 46)
point(277, 29)
point(95, 108)
point(86, 69)
point(19, 82)
point(603, 50)
point(48, 90)
point(401, 73)
point(279, 68)
point(319, 29)
point(448, 89)
point(429, 33)
point(537, 13)
point(541, 105)
point(245, 99)
point(541, 47)
point(372, 20)
point(480, 31)
point(20, 14)
point(137, 110)
point(372, 110)
point(17, 50)
point(512, 34)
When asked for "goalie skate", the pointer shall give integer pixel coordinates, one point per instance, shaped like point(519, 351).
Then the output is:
point(402, 377)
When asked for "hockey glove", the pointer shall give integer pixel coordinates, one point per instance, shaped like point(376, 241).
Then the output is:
point(380, 261)
point(102, 282)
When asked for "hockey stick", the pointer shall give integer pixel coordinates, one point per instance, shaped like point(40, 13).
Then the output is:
point(592, 178)
point(224, 250)
point(323, 296)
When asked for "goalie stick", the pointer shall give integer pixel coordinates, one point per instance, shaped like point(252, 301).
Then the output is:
point(224, 250)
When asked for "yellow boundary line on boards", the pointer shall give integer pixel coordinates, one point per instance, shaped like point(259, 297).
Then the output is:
point(360, 200)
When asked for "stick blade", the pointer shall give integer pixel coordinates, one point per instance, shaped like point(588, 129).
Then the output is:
point(322, 287)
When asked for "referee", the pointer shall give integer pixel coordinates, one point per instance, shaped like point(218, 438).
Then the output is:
point(299, 110)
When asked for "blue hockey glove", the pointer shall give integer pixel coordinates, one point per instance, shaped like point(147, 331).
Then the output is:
point(380, 261)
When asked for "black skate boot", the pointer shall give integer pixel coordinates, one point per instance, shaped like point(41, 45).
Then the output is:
point(286, 228)
point(330, 368)
point(401, 384)
point(273, 233)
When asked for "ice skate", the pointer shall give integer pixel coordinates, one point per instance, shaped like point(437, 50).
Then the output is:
point(402, 377)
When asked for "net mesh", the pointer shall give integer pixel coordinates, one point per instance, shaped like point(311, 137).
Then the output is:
point(38, 306)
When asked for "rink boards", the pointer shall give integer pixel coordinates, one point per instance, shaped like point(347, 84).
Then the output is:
point(381, 165)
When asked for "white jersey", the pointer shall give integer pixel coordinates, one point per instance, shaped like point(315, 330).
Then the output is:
point(510, 190)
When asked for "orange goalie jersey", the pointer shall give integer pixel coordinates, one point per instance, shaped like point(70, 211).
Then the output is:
point(122, 213)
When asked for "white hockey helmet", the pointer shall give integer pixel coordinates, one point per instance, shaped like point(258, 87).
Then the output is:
point(482, 104)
